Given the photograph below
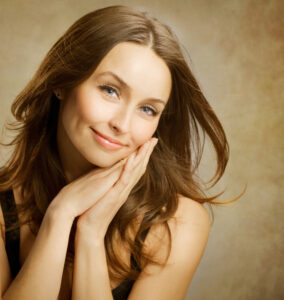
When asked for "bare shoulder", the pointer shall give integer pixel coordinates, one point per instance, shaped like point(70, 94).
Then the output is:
point(189, 227)
point(190, 230)
point(190, 215)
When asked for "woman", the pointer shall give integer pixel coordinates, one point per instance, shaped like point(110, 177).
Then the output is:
point(103, 173)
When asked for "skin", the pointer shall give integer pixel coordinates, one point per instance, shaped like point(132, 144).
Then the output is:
point(123, 109)
point(126, 113)
point(100, 181)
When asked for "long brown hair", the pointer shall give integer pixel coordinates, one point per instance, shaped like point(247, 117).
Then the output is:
point(187, 119)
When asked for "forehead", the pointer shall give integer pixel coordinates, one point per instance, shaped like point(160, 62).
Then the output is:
point(140, 67)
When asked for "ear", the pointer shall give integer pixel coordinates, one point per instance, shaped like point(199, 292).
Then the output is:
point(59, 94)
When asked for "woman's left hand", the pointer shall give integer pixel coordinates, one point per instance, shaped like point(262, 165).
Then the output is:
point(95, 221)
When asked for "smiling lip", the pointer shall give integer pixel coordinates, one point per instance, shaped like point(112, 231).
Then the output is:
point(107, 142)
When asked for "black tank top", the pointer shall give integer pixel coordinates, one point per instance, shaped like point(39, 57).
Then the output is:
point(12, 244)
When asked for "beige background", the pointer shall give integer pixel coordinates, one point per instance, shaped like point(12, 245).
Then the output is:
point(236, 51)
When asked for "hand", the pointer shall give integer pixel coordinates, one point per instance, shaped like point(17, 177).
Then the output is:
point(78, 196)
point(96, 220)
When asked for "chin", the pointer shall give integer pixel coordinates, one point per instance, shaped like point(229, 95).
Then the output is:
point(104, 163)
point(104, 160)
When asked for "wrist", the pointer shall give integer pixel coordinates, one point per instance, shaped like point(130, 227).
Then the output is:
point(56, 215)
point(87, 234)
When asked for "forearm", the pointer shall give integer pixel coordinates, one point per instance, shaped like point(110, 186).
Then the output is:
point(40, 276)
point(90, 279)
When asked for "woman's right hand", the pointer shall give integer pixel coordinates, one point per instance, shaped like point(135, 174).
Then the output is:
point(79, 195)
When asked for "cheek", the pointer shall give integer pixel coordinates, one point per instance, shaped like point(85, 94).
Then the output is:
point(91, 108)
point(143, 131)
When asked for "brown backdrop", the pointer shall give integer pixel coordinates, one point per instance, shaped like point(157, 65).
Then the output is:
point(236, 52)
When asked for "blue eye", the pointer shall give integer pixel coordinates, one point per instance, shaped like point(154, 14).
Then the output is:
point(110, 91)
point(149, 110)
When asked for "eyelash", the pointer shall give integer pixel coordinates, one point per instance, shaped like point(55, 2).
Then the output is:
point(107, 88)
point(153, 111)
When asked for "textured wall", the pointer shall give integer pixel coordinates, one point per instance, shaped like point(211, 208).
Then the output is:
point(236, 51)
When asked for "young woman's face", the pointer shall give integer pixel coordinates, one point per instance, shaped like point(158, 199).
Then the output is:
point(117, 108)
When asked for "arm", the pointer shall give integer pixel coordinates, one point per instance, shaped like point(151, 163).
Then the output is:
point(5, 275)
point(91, 279)
point(40, 276)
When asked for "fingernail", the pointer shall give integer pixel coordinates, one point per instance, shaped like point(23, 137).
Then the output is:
point(155, 141)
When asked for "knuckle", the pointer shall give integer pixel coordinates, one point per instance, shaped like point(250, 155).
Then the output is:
point(125, 180)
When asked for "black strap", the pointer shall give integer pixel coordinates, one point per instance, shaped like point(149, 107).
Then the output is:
point(12, 238)
point(12, 244)
point(122, 291)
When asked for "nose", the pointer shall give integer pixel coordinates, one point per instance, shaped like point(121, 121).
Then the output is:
point(120, 121)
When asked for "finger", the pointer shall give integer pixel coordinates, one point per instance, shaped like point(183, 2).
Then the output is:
point(135, 168)
point(128, 179)
point(148, 154)
point(146, 151)
point(115, 166)
point(103, 172)
point(140, 167)
point(132, 172)
point(141, 152)
point(129, 162)
point(126, 174)
point(142, 148)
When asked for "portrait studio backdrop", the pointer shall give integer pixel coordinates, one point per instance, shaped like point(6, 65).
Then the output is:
point(236, 52)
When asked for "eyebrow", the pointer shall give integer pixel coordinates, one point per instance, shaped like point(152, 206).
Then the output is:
point(126, 86)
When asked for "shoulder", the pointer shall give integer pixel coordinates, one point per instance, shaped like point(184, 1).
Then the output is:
point(190, 216)
point(189, 227)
